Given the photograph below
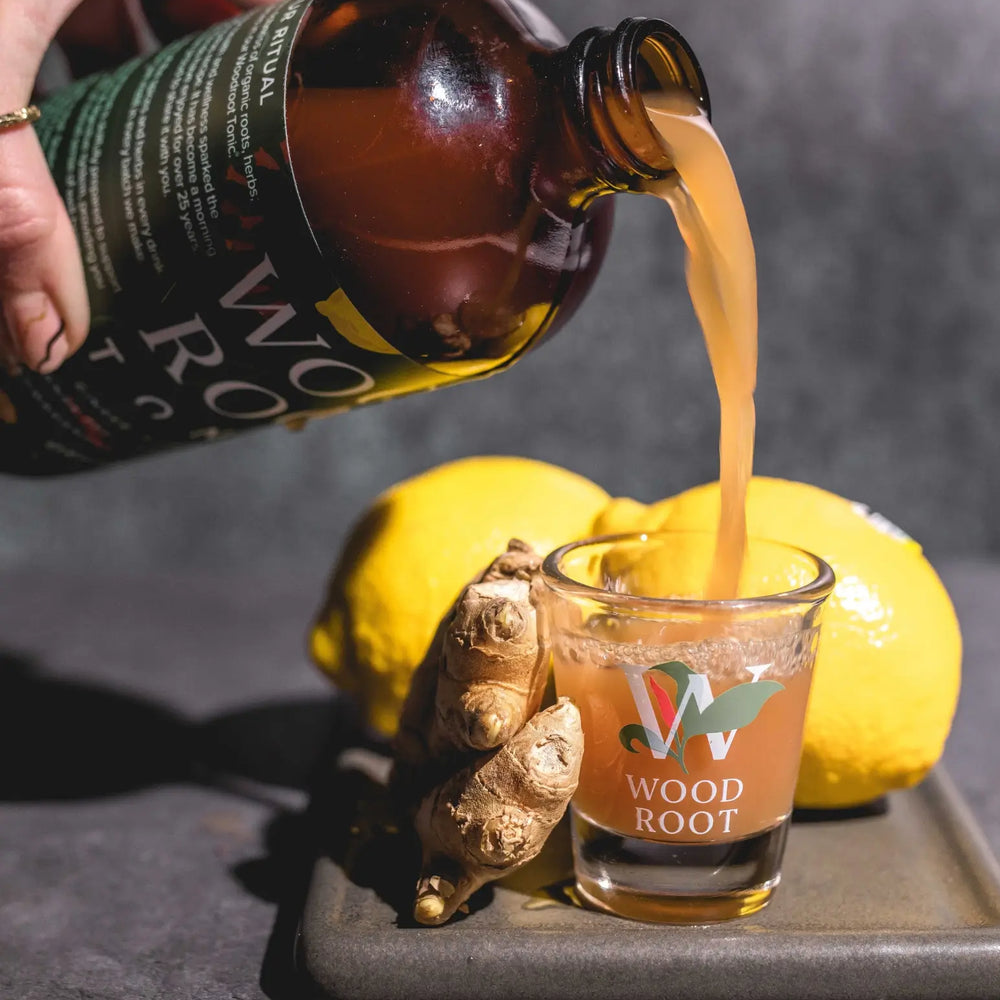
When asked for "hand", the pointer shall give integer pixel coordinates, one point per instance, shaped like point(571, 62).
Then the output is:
point(44, 299)
point(483, 773)
point(44, 312)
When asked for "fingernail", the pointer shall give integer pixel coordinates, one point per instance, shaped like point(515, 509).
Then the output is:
point(37, 330)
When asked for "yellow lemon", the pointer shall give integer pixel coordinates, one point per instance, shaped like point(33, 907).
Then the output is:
point(416, 547)
point(887, 675)
point(679, 565)
point(623, 514)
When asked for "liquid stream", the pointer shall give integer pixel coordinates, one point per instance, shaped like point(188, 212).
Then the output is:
point(722, 281)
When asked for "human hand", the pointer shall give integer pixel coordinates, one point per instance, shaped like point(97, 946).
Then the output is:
point(44, 312)
point(483, 773)
point(44, 308)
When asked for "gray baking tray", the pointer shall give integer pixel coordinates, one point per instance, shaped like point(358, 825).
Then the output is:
point(900, 901)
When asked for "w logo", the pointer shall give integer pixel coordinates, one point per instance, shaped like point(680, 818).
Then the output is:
point(695, 712)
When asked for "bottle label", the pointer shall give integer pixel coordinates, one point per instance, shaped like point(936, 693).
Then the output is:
point(212, 307)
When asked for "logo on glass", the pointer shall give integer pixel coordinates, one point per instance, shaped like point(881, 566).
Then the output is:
point(695, 711)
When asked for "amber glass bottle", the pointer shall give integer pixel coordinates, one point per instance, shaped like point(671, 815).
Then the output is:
point(319, 205)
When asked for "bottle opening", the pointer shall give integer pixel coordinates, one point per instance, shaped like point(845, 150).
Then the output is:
point(664, 62)
point(641, 58)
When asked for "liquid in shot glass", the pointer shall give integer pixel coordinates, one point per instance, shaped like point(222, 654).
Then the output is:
point(692, 713)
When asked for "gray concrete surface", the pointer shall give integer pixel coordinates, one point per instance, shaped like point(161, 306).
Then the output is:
point(864, 137)
point(158, 737)
point(158, 717)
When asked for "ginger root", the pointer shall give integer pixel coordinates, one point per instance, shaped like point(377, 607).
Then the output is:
point(484, 774)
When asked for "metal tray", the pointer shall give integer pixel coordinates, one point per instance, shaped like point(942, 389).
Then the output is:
point(897, 902)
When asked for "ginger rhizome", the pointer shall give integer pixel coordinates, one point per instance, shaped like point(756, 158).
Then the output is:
point(484, 774)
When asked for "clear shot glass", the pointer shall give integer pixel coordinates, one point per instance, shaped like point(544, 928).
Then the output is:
point(692, 713)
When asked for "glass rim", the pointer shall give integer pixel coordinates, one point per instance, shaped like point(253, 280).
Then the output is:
point(812, 592)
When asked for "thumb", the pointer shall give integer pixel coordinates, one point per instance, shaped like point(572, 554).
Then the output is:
point(43, 296)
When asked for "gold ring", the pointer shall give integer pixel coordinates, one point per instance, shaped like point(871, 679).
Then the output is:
point(23, 116)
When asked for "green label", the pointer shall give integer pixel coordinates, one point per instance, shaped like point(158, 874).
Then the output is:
point(212, 307)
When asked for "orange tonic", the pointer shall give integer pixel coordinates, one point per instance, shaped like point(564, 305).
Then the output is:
point(722, 282)
point(692, 713)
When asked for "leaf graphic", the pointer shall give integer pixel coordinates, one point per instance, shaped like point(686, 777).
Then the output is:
point(679, 672)
point(651, 741)
point(666, 706)
point(733, 709)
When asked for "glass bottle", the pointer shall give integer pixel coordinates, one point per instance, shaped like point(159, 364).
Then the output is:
point(320, 205)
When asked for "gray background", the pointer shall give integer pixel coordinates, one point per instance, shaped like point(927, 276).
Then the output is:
point(134, 864)
point(864, 136)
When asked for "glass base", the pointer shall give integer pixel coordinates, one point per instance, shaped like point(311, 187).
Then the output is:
point(676, 883)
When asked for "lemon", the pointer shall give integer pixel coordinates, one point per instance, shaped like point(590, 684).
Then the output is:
point(416, 547)
point(679, 565)
point(623, 514)
point(887, 675)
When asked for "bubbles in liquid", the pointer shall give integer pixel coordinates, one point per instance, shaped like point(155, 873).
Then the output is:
point(720, 658)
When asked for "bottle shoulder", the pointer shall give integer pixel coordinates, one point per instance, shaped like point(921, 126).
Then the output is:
point(429, 143)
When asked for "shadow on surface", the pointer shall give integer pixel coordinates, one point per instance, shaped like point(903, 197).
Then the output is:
point(347, 820)
point(877, 807)
point(66, 740)
point(75, 740)
point(72, 740)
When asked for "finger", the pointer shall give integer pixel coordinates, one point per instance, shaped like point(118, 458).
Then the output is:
point(42, 290)
point(43, 297)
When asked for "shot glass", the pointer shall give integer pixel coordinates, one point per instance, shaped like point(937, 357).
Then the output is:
point(692, 713)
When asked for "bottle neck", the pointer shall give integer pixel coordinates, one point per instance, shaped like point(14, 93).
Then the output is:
point(610, 71)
